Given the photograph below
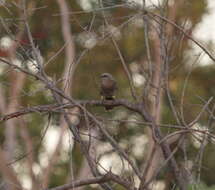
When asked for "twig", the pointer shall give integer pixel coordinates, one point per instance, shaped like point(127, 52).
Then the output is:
point(182, 30)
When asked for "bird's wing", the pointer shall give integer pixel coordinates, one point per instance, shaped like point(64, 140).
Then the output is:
point(101, 91)
point(115, 86)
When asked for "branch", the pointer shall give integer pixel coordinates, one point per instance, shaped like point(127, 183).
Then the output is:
point(97, 180)
point(181, 30)
point(70, 46)
point(136, 107)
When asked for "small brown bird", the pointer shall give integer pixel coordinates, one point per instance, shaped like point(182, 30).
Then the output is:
point(108, 88)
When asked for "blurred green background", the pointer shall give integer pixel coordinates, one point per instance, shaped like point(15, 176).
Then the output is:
point(90, 36)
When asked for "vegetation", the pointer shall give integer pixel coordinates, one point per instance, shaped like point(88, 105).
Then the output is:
point(55, 132)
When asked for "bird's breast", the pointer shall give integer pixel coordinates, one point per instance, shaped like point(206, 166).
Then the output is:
point(107, 84)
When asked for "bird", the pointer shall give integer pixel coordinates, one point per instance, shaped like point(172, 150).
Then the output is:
point(108, 88)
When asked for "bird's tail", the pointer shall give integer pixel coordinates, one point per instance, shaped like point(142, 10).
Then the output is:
point(108, 108)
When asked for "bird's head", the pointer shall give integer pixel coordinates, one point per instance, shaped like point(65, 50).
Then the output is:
point(106, 75)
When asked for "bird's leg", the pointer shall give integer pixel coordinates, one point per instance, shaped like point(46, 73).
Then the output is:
point(103, 100)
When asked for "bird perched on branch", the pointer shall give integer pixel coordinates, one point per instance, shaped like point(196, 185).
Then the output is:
point(108, 88)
